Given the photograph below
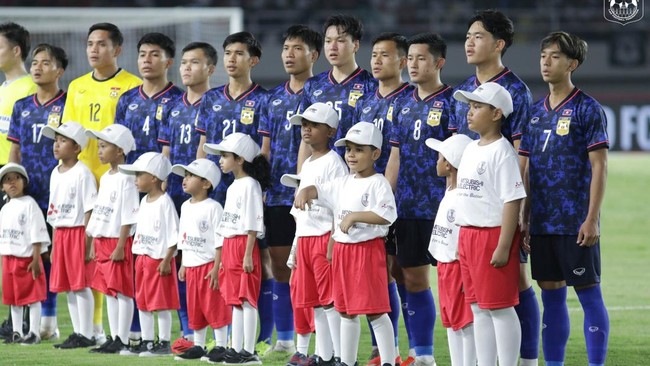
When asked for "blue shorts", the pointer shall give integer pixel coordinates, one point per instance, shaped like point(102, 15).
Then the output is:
point(559, 258)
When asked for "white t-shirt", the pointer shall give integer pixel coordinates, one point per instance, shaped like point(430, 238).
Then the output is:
point(72, 194)
point(349, 194)
point(197, 234)
point(318, 219)
point(157, 227)
point(116, 205)
point(244, 210)
point(443, 245)
point(21, 226)
point(488, 177)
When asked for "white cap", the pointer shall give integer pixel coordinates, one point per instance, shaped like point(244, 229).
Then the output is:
point(290, 180)
point(153, 163)
point(15, 168)
point(72, 130)
point(237, 143)
point(319, 113)
point(452, 148)
point(489, 93)
point(203, 168)
point(115, 134)
point(362, 133)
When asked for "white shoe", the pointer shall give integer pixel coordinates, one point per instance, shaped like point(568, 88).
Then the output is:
point(49, 334)
point(282, 347)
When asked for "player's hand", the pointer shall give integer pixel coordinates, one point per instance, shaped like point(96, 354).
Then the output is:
point(589, 233)
point(117, 255)
point(347, 223)
point(165, 268)
point(499, 257)
point(213, 277)
point(34, 267)
point(248, 263)
point(525, 237)
point(301, 201)
point(181, 274)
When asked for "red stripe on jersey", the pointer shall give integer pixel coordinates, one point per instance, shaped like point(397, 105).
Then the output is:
point(393, 93)
point(598, 145)
point(243, 95)
point(13, 139)
point(524, 152)
point(496, 77)
point(287, 88)
point(354, 74)
point(265, 133)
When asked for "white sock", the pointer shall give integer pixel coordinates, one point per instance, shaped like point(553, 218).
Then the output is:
point(508, 335)
point(86, 308)
point(486, 348)
point(146, 325)
point(455, 341)
point(73, 310)
point(527, 362)
point(383, 329)
point(323, 335)
point(199, 337)
point(17, 319)
point(250, 326)
point(125, 317)
point(113, 311)
point(303, 343)
point(334, 321)
point(350, 333)
point(221, 336)
point(469, 346)
point(165, 325)
point(237, 328)
point(48, 323)
point(35, 317)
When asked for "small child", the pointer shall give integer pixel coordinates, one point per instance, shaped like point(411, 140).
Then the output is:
point(72, 197)
point(197, 237)
point(23, 238)
point(155, 245)
point(364, 207)
point(489, 194)
point(111, 225)
point(455, 313)
point(241, 225)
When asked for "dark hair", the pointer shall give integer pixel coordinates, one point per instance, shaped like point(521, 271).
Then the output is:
point(17, 35)
point(259, 169)
point(345, 24)
point(312, 39)
point(570, 45)
point(113, 32)
point(247, 38)
point(401, 43)
point(497, 24)
point(56, 52)
point(209, 51)
point(437, 45)
point(160, 40)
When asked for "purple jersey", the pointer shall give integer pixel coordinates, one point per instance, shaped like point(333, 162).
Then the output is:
point(285, 141)
point(557, 142)
point(419, 188)
point(27, 122)
point(380, 110)
point(220, 115)
point(521, 102)
point(143, 116)
point(341, 96)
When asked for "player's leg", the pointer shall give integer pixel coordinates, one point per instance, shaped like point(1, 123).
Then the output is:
point(529, 316)
point(265, 301)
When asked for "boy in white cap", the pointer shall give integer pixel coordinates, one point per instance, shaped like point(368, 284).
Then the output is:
point(455, 313)
point(490, 191)
point(364, 207)
point(112, 225)
point(311, 281)
point(72, 197)
point(23, 237)
point(197, 239)
point(155, 240)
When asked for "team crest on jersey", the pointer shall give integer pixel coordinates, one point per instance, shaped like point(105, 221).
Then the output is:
point(451, 215)
point(115, 92)
point(247, 115)
point(481, 167)
point(204, 226)
point(22, 219)
point(317, 92)
point(175, 113)
point(433, 118)
point(156, 225)
point(389, 114)
point(354, 95)
point(133, 106)
point(25, 113)
point(364, 199)
point(72, 192)
point(562, 128)
point(54, 118)
point(159, 112)
point(277, 102)
point(216, 107)
point(238, 203)
point(113, 196)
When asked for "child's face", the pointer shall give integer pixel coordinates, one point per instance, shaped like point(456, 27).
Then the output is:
point(13, 184)
point(193, 184)
point(65, 148)
point(228, 162)
point(361, 158)
point(481, 117)
point(108, 153)
point(442, 166)
point(315, 133)
point(145, 182)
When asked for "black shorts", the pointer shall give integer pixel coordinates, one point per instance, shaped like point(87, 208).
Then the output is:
point(280, 226)
point(412, 237)
point(391, 244)
point(559, 258)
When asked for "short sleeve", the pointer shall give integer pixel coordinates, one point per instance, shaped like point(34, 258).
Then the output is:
point(89, 190)
point(172, 223)
point(204, 114)
point(38, 229)
point(254, 215)
point(120, 111)
point(14, 126)
point(385, 204)
point(521, 114)
point(328, 192)
point(595, 127)
point(130, 202)
point(508, 183)
point(216, 217)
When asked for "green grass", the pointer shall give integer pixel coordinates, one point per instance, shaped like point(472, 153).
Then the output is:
point(625, 252)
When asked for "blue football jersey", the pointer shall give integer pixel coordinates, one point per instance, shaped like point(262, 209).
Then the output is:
point(557, 142)
point(419, 188)
point(27, 122)
point(220, 115)
point(522, 100)
point(341, 96)
point(143, 116)
point(178, 131)
point(285, 141)
point(379, 109)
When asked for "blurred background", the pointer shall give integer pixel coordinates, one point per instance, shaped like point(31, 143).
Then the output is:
point(616, 72)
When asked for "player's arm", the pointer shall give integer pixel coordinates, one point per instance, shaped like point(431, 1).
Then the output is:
point(304, 197)
point(266, 148)
point(248, 253)
point(589, 230)
point(213, 276)
point(14, 153)
point(524, 214)
point(303, 154)
point(118, 253)
point(35, 265)
point(200, 154)
point(508, 227)
point(90, 249)
point(392, 168)
point(366, 217)
point(165, 267)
